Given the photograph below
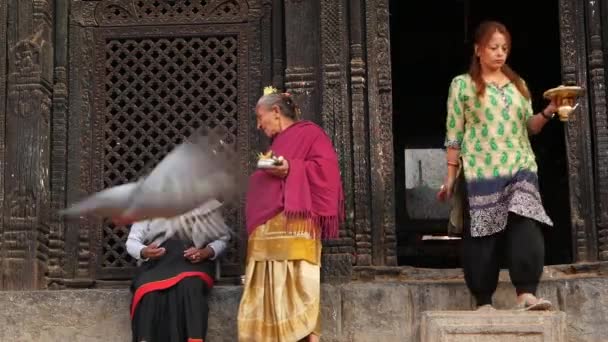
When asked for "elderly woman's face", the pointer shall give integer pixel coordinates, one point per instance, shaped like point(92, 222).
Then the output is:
point(268, 120)
point(494, 54)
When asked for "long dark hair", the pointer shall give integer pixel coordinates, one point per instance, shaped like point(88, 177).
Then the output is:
point(482, 36)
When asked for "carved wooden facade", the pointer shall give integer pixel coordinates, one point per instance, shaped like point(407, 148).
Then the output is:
point(96, 91)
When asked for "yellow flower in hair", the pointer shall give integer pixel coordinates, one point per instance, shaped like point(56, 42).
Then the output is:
point(270, 90)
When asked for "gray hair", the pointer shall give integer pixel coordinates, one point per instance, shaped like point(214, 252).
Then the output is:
point(285, 102)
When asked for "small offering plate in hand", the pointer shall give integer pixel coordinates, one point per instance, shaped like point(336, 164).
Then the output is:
point(565, 97)
point(269, 160)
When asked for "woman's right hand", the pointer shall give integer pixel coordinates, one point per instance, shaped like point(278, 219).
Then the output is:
point(152, 252)
point(447, 189)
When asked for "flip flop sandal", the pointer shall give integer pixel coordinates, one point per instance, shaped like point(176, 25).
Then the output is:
point(540, 305)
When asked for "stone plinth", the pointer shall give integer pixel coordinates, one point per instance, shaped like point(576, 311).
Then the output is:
point(493, 326)
point(351, 312)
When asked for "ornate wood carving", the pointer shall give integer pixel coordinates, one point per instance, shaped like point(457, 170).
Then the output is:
point(58, 146)
point(259, 29)
point(361, 171)
point(3, 97)
point(603, 234)
point(154, 92)
point(80, 262)
point(599, 124)
point(380, 127)
point(578, 138)
point(599, 116)
point(147, 82)
point(27, 155)
point(335, 114)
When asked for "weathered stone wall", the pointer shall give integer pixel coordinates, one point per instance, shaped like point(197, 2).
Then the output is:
point(386, 311)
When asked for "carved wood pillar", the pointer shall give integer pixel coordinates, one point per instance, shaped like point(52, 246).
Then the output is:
point(578, 129)
point(336, 119)
point(3, 97)
point(59, 145)
point(361, 186)
point(599, 118)
point(379, 93)
point(26, 209)
point(302, 55)
point(278, 44)
point(79, 267)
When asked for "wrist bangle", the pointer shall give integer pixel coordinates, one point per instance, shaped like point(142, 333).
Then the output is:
point(451, 163)
point(548, 117)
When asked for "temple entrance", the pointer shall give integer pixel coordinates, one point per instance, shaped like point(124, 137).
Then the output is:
point(429, 48)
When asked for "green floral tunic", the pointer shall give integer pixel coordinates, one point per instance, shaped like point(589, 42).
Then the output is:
point(499, 164)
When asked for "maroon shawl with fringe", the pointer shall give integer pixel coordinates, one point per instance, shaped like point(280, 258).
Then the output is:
point(312, 189)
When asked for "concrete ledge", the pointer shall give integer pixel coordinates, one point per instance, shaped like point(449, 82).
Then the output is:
point(493, 326)
point(364, 311)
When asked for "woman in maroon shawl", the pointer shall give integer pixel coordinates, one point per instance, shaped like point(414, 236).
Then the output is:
point(290, 208)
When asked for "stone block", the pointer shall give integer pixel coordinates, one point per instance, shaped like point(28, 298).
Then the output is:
point(424, 173)
point(376, 309)
point(493, 326)
point(223, 307)
point(336, 268)
point(53, 316)
point(331, 312)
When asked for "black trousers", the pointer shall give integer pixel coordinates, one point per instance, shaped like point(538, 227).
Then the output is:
point(520, 247)
point(171, 310)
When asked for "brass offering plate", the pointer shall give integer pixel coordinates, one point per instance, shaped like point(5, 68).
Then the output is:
point(563, 91)
point(565, 97)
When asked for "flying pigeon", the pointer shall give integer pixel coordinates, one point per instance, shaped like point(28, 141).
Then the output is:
point(201, 226)
point(197, 171)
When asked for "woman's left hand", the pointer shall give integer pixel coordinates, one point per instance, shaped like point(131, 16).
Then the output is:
point(280, 171)
point(196, 255)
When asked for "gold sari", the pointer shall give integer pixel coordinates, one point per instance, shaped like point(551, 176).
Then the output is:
point(281, 298)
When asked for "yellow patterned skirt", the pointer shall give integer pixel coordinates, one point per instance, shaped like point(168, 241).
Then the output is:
point(281, 298)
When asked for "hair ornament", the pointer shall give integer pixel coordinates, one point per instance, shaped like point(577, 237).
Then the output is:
point(270, 90)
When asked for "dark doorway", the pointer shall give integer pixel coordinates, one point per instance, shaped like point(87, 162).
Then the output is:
point(430, 45)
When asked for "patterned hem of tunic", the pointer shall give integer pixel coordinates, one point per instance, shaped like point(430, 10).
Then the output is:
point(489, 213)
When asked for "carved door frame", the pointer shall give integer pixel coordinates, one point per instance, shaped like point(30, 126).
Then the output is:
point(582, 64)
point(91, 24)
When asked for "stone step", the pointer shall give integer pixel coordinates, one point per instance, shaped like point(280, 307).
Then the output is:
point(493, 326)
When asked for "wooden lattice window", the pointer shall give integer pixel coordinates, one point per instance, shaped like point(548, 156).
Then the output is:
point(158, 91)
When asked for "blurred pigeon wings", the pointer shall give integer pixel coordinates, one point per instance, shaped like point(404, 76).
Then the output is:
point(106, 203)
point(201, 226)
point(195, 172)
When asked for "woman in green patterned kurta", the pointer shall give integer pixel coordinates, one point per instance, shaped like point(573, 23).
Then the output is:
point(489, 119)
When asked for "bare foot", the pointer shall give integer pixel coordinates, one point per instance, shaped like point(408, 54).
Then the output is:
point(313, 338)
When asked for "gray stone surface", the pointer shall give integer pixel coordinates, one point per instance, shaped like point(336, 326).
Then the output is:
point(357, 311)
point(493, 326)
point(424, 173)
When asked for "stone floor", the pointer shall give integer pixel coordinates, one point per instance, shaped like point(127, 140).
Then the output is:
point(359, 311)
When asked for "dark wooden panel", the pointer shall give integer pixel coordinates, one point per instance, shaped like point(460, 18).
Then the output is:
point(26, 160)
point(578, 132)
point(361, 165)
point(380, 132)
point(599, 117)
